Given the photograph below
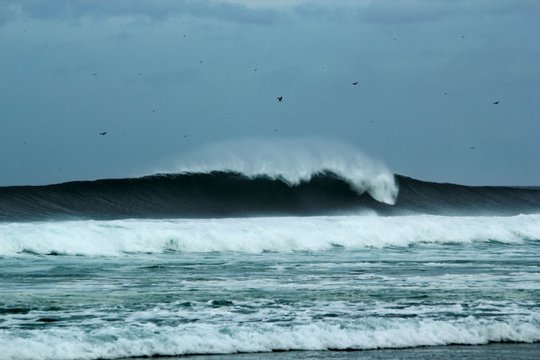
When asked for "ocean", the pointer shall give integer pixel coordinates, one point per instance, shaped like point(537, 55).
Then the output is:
point(240, 266)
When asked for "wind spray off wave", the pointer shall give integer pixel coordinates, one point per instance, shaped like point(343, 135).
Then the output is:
point(295, 161)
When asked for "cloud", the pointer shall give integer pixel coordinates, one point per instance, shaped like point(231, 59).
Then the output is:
point(70, 10)
point(411, 11)
point(7, 12)
point(405, 11)
point(266, 12)
point(414, 11)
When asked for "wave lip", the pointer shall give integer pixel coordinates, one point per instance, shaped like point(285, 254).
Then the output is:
point(294, 161)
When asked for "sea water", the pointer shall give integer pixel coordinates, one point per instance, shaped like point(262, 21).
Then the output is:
point(92, 289)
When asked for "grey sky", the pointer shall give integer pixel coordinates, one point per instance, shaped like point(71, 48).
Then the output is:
point(171, 76)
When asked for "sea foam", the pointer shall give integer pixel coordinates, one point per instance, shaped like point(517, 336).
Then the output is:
point(146, 339)
point(256, 235)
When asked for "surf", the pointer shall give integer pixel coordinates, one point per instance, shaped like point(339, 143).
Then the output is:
point(260, 235)
point(140, 340)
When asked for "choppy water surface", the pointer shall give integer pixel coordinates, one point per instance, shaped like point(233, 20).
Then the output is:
point(176, 302)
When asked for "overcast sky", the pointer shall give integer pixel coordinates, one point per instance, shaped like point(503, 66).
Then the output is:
point(165, 77)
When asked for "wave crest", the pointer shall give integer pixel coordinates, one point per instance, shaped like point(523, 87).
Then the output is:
point(294, 161)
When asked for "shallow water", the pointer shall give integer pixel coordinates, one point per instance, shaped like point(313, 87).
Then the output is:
point(491, 351)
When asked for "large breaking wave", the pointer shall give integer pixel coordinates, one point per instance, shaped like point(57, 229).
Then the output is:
point(232, 194)
point(294, 161)
point(254, 178)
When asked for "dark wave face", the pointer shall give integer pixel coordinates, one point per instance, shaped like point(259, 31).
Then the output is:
point(228, 194)
point(451, 199)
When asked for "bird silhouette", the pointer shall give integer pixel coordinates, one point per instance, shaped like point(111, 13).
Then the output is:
point(355, 83)
point(280, 98)
point(103, 133)
point(496, 102)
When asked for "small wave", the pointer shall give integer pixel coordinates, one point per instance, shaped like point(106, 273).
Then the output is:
point(148, 340)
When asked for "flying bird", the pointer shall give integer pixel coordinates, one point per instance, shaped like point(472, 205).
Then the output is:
point(496, 102)
point(103, 133)
point(355, 83)
point(280, 98)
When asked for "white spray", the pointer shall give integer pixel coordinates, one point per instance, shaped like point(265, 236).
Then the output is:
point(293, 161)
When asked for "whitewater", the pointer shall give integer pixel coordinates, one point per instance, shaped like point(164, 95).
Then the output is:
point(306, 251)
point(257, 235)
point(293, 161)
point(106, 290)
